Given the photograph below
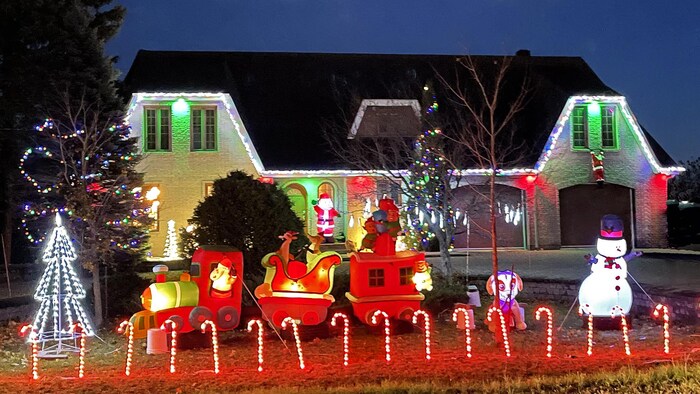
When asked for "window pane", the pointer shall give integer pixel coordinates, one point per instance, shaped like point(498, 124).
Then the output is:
point(325, 188)
point(165, 129)
point(608, 127)
point(210, 129)
point(196, 129)
point(578, 127)
point(150, 129)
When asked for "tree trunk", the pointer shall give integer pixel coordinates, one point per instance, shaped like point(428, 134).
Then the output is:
point(445, 257)
point(97, 293)
point(494, 239)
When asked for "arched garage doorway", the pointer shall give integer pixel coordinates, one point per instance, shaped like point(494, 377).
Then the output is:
point(582, 206)
point(510, 220)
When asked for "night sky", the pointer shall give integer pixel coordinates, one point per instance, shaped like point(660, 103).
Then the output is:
point(647, 51)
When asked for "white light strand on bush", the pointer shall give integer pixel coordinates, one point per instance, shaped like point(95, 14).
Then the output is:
point(426, 329)
point(130, 344)
point(261, 334)
point(285, 323)
point(346, 335)
point(59, 284)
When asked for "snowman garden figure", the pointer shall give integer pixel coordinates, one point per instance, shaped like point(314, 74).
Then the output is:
point(606, 286)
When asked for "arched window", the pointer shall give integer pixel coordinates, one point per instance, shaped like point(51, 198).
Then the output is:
point(297, 196)
point(327, 188)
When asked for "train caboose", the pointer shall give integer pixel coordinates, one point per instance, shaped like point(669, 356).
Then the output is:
point(195, 297)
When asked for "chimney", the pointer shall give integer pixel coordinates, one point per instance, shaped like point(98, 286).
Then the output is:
point(523, 52)
point(160, 271)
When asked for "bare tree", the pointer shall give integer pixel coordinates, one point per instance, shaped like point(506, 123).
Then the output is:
point(490, 99)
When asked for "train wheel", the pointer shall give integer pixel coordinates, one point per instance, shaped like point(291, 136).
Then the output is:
point(405, 314)
point(179, 322)
point(228, 317)
point(199, 315)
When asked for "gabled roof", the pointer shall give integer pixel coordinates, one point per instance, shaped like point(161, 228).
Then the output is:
point(287, 100)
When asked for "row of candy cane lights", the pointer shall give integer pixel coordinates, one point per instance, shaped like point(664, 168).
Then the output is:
point(169, 325)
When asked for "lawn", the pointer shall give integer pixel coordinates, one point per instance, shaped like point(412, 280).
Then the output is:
point(648, 369)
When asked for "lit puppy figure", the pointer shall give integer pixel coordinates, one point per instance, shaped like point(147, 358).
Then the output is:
point(509, 284)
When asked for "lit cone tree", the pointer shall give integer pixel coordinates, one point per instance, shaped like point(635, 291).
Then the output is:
point(60, 292)
point(171, 249)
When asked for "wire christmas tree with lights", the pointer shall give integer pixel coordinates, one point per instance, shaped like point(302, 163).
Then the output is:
point(60, 292)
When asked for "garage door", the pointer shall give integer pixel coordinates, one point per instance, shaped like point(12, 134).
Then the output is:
point(582, 206)
point(509, 220)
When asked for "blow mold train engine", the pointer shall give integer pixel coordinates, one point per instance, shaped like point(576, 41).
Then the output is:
point(380, 279)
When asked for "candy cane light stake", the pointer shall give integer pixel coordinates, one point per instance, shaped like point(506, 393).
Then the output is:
point(467, 328)
point(288, 320)
point(549, 327)
point(426, 328)
point(387, 332)
point(667, 336)
point(77, 327)
point(35, 348)
point(214, 342)
point(623, 320)
point(173, 341)
point(589, 335)
point(504, 330)
point(260, 340)
point(130, 344)
point(346, 334)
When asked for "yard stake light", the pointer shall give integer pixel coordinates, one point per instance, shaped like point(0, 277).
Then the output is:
point(589, 336)
point(173, 341)
point(288, 320)
point(467, 330)
point(387, 332)
point(504, 330)
point(346, 334)
point(667, 336)
point(77, 327)
point(260, 340)
point(426, 328)
point(214, 342)
point(130, 344)
point(35, 348)
point(549, 327)
point(623, 320)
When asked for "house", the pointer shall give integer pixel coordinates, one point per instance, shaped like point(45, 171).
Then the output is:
point(200, 115)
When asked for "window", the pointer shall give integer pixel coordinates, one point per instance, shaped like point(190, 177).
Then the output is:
point(406, 276)
point(208, 189)
point(579, 128)
point(194, 270)
point(152, 195)
point(327, 188)
point(158, 133)
point(203, 129)
point(376, 277)
point(607, 127)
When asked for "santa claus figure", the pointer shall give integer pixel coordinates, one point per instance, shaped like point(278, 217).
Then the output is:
point(597, 164)
point(325, 224)
point(222, 278)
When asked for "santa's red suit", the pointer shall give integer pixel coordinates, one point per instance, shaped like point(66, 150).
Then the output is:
point(325, 211)
point(597, 164)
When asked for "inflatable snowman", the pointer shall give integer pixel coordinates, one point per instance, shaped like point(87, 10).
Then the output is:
point(606, 286)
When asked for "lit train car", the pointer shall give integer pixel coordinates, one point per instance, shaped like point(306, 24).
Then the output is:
point(196, 296)
point(385, 282)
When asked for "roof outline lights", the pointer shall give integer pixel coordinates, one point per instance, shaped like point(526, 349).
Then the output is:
point(626, 112)
point(228, 103)
point(381, 103)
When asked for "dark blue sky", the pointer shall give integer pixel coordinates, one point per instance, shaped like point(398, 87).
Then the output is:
point(647, 51)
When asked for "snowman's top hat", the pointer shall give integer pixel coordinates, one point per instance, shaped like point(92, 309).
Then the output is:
point(611, 227)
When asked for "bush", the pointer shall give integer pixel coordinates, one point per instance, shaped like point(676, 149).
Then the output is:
point(246, 214)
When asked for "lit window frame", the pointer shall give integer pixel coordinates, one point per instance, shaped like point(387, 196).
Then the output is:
point(158, 128)
point(208, 142)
